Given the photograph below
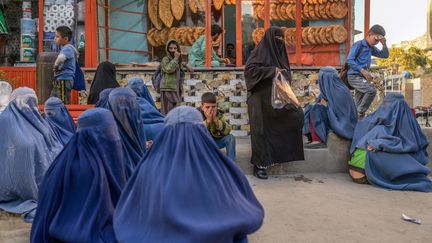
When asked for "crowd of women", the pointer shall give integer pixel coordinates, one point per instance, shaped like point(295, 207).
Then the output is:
point(128, 173)
point(102, 181)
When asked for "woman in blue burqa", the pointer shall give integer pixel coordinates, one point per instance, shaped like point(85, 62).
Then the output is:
point(27, 147)
point(82, 187)
point(5, 92)
point(124, 106)
point(186, 190)
point(389, 148)
point(334, 110)
point(103, 98)
point(152, 119)
point(58, 117)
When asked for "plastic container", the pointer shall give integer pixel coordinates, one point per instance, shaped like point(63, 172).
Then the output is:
point(28, 26)
point(28, 41)
point(28, 54)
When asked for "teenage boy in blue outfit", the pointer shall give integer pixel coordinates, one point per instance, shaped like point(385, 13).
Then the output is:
point(65, 64)
point(359, 61)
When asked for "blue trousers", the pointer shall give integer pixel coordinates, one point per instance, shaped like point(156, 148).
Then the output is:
point(227, 142)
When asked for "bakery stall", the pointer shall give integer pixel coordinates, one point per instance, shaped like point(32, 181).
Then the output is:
point(132, 34)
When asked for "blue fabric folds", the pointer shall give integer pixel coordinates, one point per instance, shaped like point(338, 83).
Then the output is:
point(186, 190)
point(103, 98)
point(400, 157)
point(124, 106)
point(341, 109)
point(83, 185)
point(152, 119)
point(27, 147)
point(317, 115)
point(138, 86)
point(59, 119)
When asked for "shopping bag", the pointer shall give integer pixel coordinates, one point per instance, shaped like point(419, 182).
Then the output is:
point(282, 94)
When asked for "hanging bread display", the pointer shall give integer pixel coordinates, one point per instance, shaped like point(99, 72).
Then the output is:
point(185, 36)
point(165, 12)
point(177, 8)
point(311, 35)
point(311, 9)
point(153, 13)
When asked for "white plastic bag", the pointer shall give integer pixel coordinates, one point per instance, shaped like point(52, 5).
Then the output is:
point(282, 93)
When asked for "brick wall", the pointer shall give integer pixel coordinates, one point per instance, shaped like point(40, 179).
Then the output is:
point(230, 88)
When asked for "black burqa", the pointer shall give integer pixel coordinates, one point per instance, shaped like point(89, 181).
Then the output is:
point(105, 77)
point(276, 134)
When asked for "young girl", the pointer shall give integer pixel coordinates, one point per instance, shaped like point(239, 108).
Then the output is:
point(173, 71)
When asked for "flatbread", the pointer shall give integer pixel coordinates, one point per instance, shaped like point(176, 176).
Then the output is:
point(322, 35)
point(311, 36)
point(218, 4)
point(339, 34)
point(329, 35)
point(177, 8)
point(150, 38)
point(164, 33)
point(317, 36)
point(338, 10)
point(305, 39)
point(165, 13)
point(322, 11)
point(153, 13)
point(193, 6)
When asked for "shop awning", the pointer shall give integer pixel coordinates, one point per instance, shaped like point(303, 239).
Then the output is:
point(3, 26)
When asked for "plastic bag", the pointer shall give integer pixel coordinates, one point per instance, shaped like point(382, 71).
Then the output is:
point(282, 94)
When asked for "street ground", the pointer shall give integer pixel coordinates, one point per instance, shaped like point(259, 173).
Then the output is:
point(316, 208)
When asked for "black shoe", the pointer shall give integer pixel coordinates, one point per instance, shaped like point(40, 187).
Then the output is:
point(260, 173)
point(315, 145)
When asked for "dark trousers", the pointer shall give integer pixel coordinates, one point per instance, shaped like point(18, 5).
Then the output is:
point(62, 90)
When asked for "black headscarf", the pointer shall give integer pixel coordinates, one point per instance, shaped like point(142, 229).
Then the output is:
point(105, 77)
point(270, 52)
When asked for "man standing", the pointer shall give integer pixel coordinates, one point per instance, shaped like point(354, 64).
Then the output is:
point(359, 60)
point(215, 122)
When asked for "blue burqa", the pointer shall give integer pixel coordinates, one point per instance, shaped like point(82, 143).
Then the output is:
point(124, 106)
point(103, 98)
point(58, 117)
point(400, 157)
point(138, 86)
point(27, 147)
point(186, 190)
point(341, 111)
point(152, 119)
point(83, 185)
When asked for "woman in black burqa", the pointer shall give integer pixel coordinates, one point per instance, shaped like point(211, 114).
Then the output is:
point(104, 78)
point(276, 134)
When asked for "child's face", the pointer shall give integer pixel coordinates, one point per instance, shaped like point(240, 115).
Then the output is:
point(172, 48)
point(208, 106)
point(373, 39)
point(59, 40)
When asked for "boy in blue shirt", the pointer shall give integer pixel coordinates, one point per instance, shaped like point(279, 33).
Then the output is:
point(64, 66)
point(359, 61)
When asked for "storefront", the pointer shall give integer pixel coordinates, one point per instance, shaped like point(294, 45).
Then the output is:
point(132, 34)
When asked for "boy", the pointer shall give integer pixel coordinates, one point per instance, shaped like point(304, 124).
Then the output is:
point(64, 66)
point(359, 60)
point(216, 124)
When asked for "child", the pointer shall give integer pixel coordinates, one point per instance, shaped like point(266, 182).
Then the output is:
point(359, 61)
point(64, 66)
point(173, 71)
point(215, 122)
